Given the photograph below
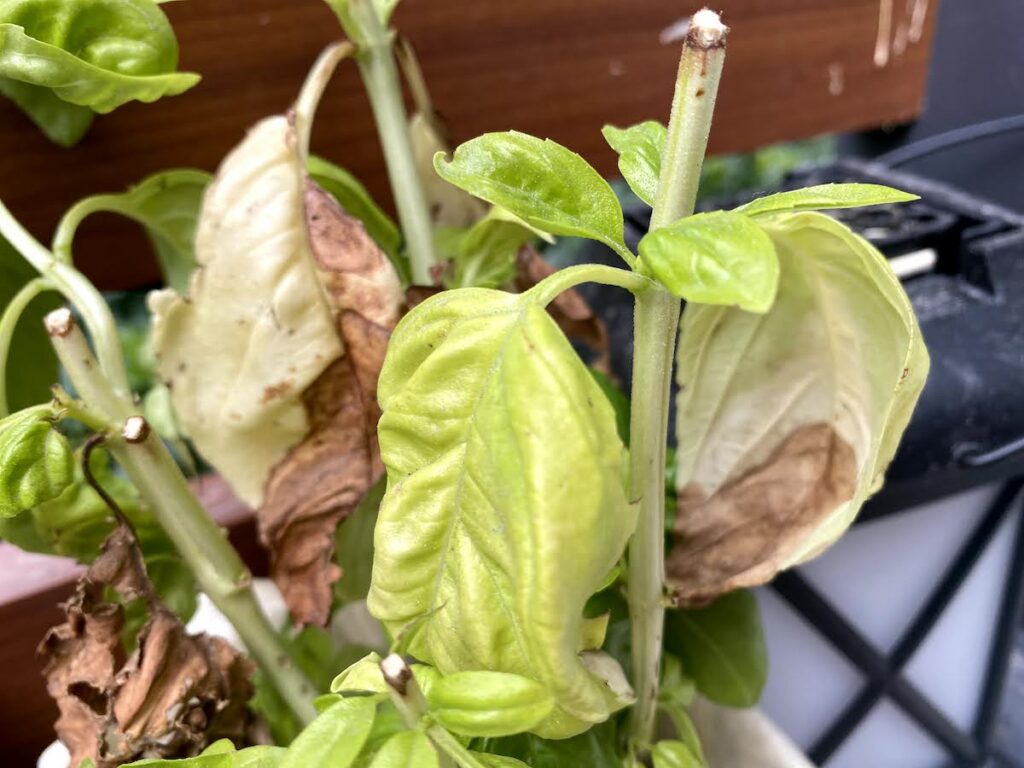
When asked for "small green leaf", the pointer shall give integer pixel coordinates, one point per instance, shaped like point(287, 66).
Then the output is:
point(335, 738)
point(640, 149)
point(356, 200)
point(499, 761)
point(484, 256)
point(541, 182)
point(61, 122)
point(219, 747)
point(36, 460)
point(353, 550)
point(597, 748)
point(411, 749)
point(824, 197)
point(489, 704)
point(722, 647)
point(714, 258)
point(363, 676)
point(675, 754)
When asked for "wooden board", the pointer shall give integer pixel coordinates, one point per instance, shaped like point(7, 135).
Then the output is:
point(557, 68)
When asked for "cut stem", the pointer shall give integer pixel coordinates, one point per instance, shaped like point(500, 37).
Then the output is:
point(655, 328)
point(550, 287)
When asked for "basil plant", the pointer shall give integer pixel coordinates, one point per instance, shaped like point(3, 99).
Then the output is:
point(466, 521)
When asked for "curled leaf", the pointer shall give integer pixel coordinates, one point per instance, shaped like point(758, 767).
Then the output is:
point(788, 420)
point(640, 148)
point(36, 460)
point(824, 197)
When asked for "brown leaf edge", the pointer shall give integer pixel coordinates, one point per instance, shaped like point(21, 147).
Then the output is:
point(320, 482)
point(174, 695)
point(741, 535)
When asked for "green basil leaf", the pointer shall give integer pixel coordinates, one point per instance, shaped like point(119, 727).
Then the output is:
point(543, 183)
point(714, 258)
point(353, 549)
point(485, 404)
point(335, 738)
point(640, 148)
point(722, 647)
point(484, 256)
point(489, 704)
point(787, 421)
point(384, 9)
point(259, 757)
point(597, 748)
point(675, 754)
point(98, 54)
point(362, 676)
point(219, 747)
point(498, 761)
point(166, 204)
point(825, 197)
point(61, 122)
point(410, 749)
point(357, 202)
point(619, 402)
point(36, 459)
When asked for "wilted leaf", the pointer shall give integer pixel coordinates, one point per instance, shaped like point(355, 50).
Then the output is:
point(174, 695)
point(484, 256)
point(36, 460)
point(787, 420)
point(569, 309)
point(640, 148)
point(485, 406)
point(825, 197)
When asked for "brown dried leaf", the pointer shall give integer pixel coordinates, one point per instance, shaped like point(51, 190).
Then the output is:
point(742, 535)
point(174, 695)
point(321, 480)
point(570, 310)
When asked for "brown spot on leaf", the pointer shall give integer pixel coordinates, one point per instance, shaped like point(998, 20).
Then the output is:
point(322, 480)
point(276, 391)
point(570, 310)
point(742, 534)
point(172, 697)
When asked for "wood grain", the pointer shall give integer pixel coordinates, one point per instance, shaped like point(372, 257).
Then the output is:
point(557, 68)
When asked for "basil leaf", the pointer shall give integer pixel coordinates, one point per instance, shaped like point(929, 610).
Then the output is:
point(675, 754)
point(722, 647)
point(543, 183)
point(714, 258)
point(36, 459)
point(353, 549)
point(166, 204)
point(640, 149)
point(410, 749)
point(259, 757)
point(840, 359)
point(484, 256)
point(98, 54)
point(485, 404)
point(357, 202)
point(61, 122)
point(218, 760)
point(597, 748)
point(482, 704)
point(335, 738)
point(825, 197)
point(498, 761)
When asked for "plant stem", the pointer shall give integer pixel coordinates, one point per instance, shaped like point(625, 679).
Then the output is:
point(200, 542)
point(8, 322)
point(547, 289)
point(655, 329)
point(453, 748)
point(379, 71)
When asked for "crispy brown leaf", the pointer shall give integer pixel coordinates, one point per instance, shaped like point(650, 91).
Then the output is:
point(742, 535)
point(321, 480)
point(570, 310)
point(174, 695)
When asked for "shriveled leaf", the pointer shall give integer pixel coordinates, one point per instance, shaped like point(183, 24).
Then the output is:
point(722, 647)
point(541, 182)
point(36, 460)
point(166, 204)
point(97, 54)
point(60, 121)
point(489, 704)
point(569, 309)
point(788, 420)
point(486, 409)
point(825, 197)
point(640, 148)
point(335, 738)
point(714, 258)
point(174, 695)
point(411, 749)
point(675, 754)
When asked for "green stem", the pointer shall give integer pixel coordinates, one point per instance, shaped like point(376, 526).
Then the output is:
point(655, 329)
point(380, 78)
point(547, 289)
point(200, 542)
point(453, 748)
point(8, 322)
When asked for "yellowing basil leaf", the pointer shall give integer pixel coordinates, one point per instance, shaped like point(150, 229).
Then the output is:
point(489, 704)
point(640, 148)
point(166, 204)
point(60, 121)
point(36, 463)
point(714, 258)
point(543, 183)
point(788, 420)
point(484, 256)
point(335, 738)
point(825, 197)
point(722, 648)
point(504, 465)
point(98, 54)
point(675, 754)
point(409, 749)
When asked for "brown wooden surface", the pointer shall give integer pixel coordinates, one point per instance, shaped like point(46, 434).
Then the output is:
point(557, 68)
